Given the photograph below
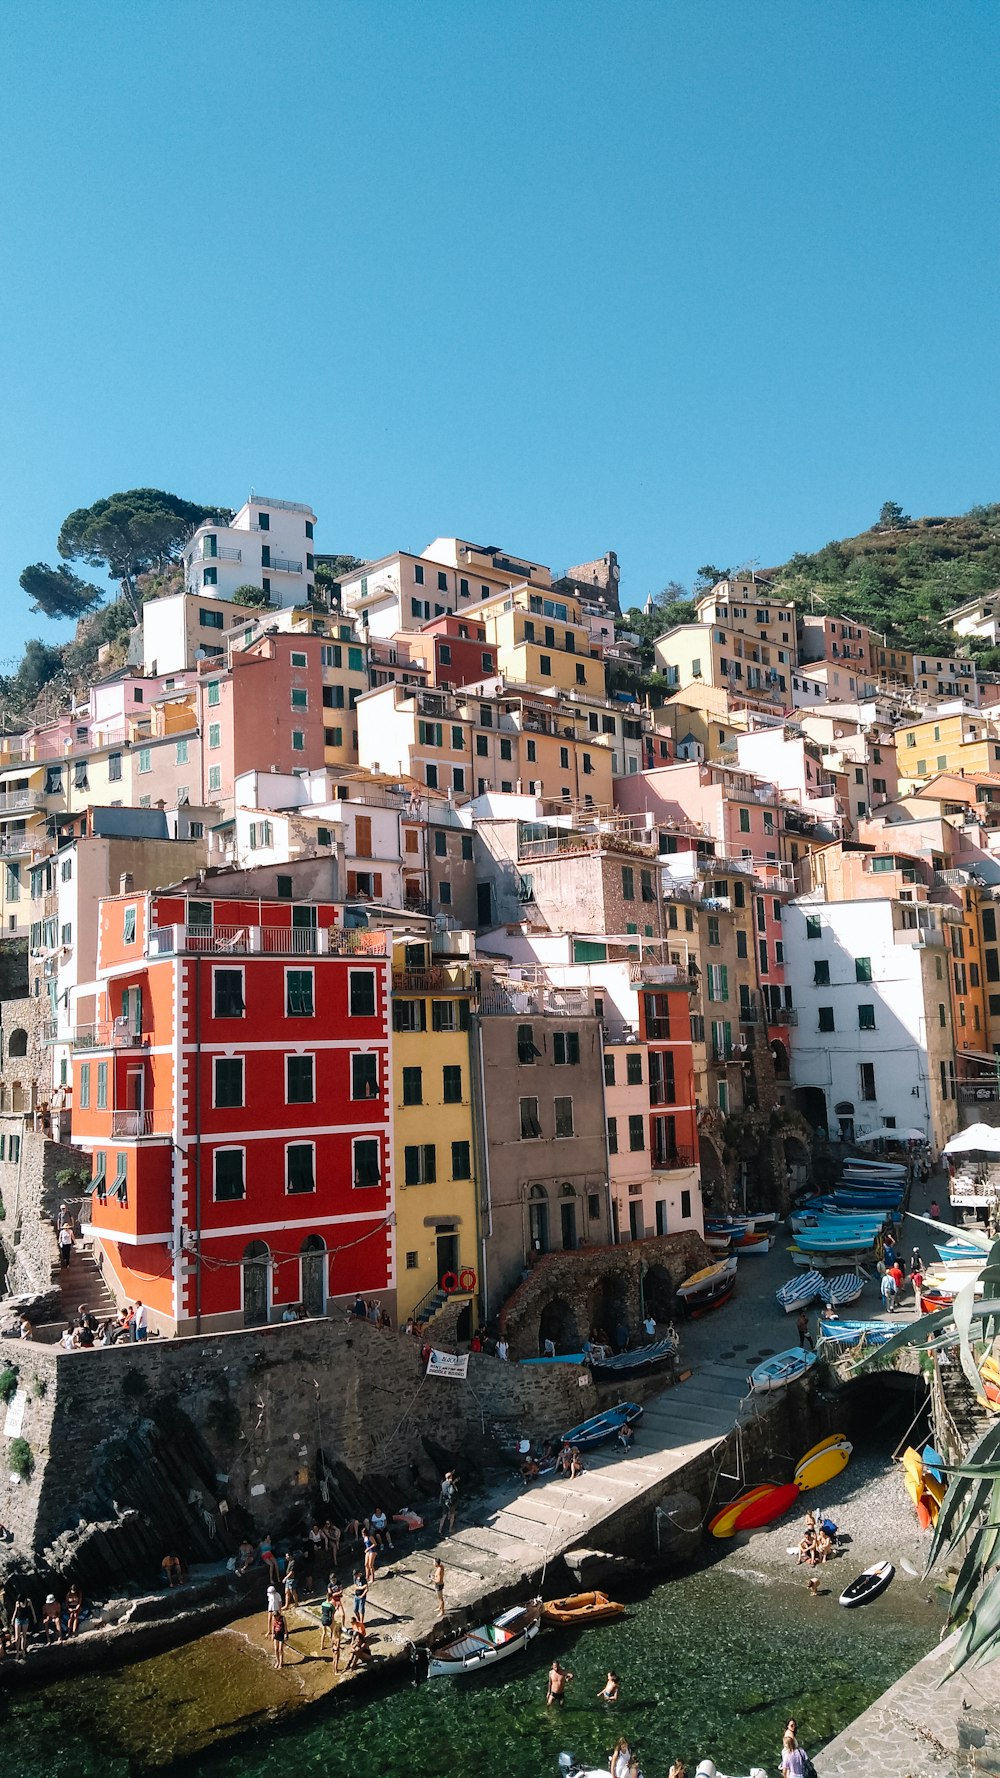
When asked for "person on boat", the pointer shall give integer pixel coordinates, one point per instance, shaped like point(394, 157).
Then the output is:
point(609, 1690)
point(794, 1760)
point(559, 1678)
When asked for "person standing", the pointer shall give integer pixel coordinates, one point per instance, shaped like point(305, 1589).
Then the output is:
point(437, 1575)
point(279, 1636)
point(65, 1244)
point(371, 1549)
point(139, 1321)
point(609, 1690)
point(503, 1350)
point(935, 1210)
point(794, 1761)
point(888, 1288)
point(802, 1327)
point(448, 1501)
point(360, 1595)
point(559, 1678)
point(917, 1281)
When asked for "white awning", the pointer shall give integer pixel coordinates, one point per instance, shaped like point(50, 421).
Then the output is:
point(885, 1134)
point(978, 1139)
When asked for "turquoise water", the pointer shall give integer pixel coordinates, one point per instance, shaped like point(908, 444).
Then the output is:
point(711, 1663)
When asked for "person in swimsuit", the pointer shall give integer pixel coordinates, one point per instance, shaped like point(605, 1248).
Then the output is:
point(437, 1575)
point(74, 1606)
point(609, 1690)
point(620, 1758)
point(559, 1678)
point(279, 1636)
point(52, 1620)
point(22, 1619)
point(360, 1596)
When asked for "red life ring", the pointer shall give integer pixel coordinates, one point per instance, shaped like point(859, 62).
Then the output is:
point(449, 1282)
point(467, 1279)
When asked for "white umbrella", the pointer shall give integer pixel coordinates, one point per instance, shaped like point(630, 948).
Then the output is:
point(979, 1138)
point(892, 1135)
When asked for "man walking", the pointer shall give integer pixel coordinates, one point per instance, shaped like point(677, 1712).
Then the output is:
point(802, 1326)
point(888, 1293)
point(448, 1503)
point(437, 1576)
point(65, 1244)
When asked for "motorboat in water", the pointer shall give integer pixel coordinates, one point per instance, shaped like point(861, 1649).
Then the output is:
point(505, 1635)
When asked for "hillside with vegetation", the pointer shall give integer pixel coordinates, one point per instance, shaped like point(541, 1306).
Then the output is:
point(900, 578)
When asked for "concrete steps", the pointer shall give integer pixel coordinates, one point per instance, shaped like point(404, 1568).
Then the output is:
point(81, 1283)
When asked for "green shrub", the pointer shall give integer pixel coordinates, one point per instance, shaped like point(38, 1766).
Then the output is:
point(39, 1386)
point(8, 1382)
point(20, 1457)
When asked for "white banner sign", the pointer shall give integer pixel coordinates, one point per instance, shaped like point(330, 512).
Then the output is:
point(447, 1364)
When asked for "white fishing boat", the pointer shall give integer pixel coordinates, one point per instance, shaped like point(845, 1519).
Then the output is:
point(783, 1368)
point(844, 1288)
point(507, 1635)
point(798, 1293)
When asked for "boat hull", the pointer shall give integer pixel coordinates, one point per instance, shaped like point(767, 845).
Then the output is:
point(507, 1635)
point(581, 1608)
point(868, 1585)
point(601, 1427)
point(822, 1466)
point(777, 1501)
point(723, 1524)
point(784, 1368)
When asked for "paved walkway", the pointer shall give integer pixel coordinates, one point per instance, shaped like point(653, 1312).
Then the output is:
point(920, 1727)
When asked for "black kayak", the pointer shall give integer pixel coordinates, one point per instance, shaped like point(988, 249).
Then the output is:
point(868, 1585)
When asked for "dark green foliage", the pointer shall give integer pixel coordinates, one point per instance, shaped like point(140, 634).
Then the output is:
point(130, 532)
point(891, 516)
point(251, 595)
point(58, 592)
point(8, 1382)
point(20, 1457)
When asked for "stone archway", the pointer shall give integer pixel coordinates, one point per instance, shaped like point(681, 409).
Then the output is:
point(17, 1042)
point(609, 1306)
point(658, 1293)
point(558, 1323)
point(811, 1102)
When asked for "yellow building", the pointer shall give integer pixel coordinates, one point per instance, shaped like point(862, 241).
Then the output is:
point(750, 608)
point(962, 742)
point(434, 1147)
point(893, 666)
point(750, 669)
point(542, 641)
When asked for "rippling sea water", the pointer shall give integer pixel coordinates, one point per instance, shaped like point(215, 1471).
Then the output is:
point(712, 1663)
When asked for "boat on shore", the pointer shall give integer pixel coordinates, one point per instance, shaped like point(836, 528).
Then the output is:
point(505, 1635)
point(852, 1333)
point(823, 1462)
point(709, 1287)
point(798, 1293)
point(600, 1427)
point(630, 1364)
point(868, 1585)
point(581, 1608)
point(783, 1368)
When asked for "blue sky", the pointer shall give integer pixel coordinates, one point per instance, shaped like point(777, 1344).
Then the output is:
point(696, 282)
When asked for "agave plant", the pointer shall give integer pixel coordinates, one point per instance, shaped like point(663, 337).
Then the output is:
point(970, 1511)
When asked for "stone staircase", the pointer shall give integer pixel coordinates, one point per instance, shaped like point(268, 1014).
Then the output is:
point(81, 1284)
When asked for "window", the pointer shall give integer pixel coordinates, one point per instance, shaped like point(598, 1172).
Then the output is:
point(862, 969)
point(228, 1173)
point(144, 760)
point(633, 1069)
point(628, 883)
point(826, 1018)
point(215, 777)
point(866, 1018)
point(461, 1161)
point(418, 574)
point(564, 1117)
point(261, 835)
point(526, 1051)
point(413, 1086)
point(718, 981)
point(300, 1167)
point(181, 753)
point(362, 993)
point(128, 926)
point(714, 936)
point(214, 693)
point(446, 1015)
point(467, 847)
point(80, 779)
point(431, 776)
point(298, 741)
point(420, 1164)
point(440, 844)
point(367, 1170)
point(409, 1015)
point(299, 1002)
point(364, 1077)
point(821, 973)
point(300, 697)
point(612, 1135)
point(530, 1126)
point(299, 1080)
point(227, 993)
point(636, 1133)
point(814, 926)
point(741, 944)
point(609, 1068)
point(744, 820)
point(482, 746)
point(210, 577)
point(566, 1047)
point(866, 1081)
point(545, 666)
point(85, 1086)
point(114, 767)
point(228, 1081)
point(452, 1085)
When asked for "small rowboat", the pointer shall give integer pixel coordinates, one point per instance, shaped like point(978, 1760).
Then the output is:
point(784, 1367)
point(753, 1243)
point(960, 1250)
point(600, 1427)
point(798, 1293)
point(507, 1635)
point(644, 1358)
point(712, 1285)
point(581, 1608)
point(868, 1585)
point(718, 1242)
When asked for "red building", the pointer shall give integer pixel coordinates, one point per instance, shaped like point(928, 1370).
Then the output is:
point(457, 651)
point(665, 1027)
point(235, 1095)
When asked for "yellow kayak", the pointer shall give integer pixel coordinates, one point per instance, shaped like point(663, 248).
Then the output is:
point(822, 1465)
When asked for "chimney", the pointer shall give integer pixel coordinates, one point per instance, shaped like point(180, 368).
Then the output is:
point(126, 883)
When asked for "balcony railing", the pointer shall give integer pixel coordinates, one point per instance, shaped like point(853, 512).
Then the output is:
point(14, 801)
point(671, 1160)
point(750, 1015)
point(782, 1015)
point(132, 1125)
point(223, 553)
point(534, 1001)
point(283, 565)
point(106, 1034)
point(978, 1092)
point(17, 845)
point(280, 941)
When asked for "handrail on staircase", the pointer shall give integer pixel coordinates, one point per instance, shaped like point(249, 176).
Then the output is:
point(436, 1298)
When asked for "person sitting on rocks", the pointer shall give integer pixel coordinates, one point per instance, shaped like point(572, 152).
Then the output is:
point(52, 1619)
point(171, 1571)
point(244, 1557)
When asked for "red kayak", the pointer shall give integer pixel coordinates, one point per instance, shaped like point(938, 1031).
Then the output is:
point(768, 1507)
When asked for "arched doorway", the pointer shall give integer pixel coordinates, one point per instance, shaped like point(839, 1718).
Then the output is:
point(312, 1275)
point(557, 1323)
point(256, 1284)
point(17, 1042)
point(567, 1217)
point(538, 1219)
point(811, 1101)
point(843, 1111)
point(779, 1057)
point(658, 1293)
point(609, 1307)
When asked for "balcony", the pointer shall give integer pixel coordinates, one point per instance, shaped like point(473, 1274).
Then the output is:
point(663, 975)
point(224, 553)
point(108, 1034)
point(282, 565)
point(671, 1160)
point(14, 802)
point(534, 1000)
point(439, 980)
point(978, 1092)
point(782, 1015)
point(18, 845)
point(133, 1126)
point(750, 1014)
point(277, 941)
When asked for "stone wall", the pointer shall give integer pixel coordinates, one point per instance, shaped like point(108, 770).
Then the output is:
point(25, 1080)
point(30, 1196)
point(265, 1419)
point(565, 1294)
point(13, 968)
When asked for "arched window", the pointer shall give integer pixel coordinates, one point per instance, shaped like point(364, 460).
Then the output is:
point(17, 1043)
point(538, 1219)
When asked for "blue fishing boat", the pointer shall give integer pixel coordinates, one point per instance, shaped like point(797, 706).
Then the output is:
point(600, 1427)
point(958, 1249)
point(851, 1241)
point(644, 1358)
point(851, 1333)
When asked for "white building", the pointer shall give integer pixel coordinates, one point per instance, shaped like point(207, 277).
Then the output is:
point(869, 980)
point(402, 592)
point(977, 617)
point(268, 545)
